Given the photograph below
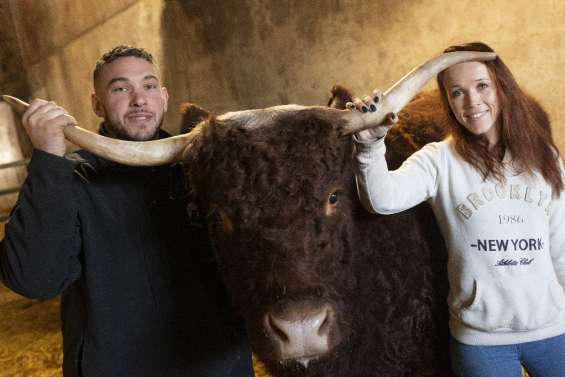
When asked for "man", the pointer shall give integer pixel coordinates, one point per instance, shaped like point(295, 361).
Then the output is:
point(140, 293)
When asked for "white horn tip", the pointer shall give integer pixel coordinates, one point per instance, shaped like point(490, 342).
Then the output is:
point(16, 103)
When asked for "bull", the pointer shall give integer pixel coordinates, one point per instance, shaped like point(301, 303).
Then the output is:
point(325, 288)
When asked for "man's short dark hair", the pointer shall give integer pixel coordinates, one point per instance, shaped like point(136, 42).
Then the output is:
point(120, 52)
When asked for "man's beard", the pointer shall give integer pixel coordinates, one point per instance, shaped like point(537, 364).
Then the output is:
point(121, 133)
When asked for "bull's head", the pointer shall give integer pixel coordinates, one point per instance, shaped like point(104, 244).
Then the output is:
point(278, 187)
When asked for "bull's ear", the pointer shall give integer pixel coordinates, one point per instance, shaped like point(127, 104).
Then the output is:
point(192, 115)
point(339, 96)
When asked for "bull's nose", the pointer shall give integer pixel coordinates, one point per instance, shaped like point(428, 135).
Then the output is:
point(301, 334)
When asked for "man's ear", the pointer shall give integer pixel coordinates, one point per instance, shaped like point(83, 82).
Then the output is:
point(97, 105)
point(165, 94)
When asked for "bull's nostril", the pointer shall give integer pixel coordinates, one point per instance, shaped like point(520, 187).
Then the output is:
point(278, 332)
point(324, 327)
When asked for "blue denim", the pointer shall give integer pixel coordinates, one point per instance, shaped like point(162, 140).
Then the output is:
point(543, 358)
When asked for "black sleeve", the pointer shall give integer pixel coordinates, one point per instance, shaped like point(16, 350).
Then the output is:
point(39, 255)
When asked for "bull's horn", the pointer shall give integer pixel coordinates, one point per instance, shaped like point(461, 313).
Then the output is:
point(395, 98)
point(134, 153)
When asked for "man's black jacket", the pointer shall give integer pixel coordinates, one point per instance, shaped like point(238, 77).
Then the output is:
point(140, 292)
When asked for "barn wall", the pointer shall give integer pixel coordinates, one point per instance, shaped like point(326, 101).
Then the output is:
point(13, 79)
point(233, 54)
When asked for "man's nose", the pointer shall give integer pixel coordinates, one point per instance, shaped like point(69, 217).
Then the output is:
point(138, 98)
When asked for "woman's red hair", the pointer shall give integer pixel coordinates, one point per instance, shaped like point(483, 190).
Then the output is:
point(525, 129)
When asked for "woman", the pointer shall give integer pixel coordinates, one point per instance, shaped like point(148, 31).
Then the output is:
point(495, 185)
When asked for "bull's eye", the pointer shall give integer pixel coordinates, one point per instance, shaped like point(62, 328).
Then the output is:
point(331, 206)
point(333, 198)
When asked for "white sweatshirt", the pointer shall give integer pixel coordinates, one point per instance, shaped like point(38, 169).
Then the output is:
point(506, 242)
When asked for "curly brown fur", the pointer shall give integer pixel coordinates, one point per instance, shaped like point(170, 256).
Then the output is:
point(266, 193)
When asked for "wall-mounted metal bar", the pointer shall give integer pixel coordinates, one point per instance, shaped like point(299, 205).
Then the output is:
point(14, 164)
point(10, 190)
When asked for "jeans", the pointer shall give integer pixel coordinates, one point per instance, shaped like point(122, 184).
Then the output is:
point(543, 358)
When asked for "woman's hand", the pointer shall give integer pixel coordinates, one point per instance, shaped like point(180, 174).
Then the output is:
point(371, 104)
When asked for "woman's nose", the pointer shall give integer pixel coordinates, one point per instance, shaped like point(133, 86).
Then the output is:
point(473, 98)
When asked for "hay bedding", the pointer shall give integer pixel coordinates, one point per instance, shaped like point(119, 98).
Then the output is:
point(30, 339)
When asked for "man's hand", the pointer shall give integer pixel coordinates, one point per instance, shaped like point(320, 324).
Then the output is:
point(44, 123)
point(371, 104)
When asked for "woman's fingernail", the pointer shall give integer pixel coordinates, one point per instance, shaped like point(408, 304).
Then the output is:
point(376, 99)
point(364, 109)
point(373, 108)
